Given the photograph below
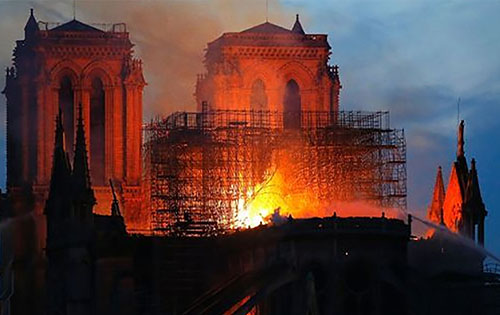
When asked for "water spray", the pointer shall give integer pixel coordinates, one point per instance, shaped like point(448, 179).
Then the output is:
point(456, 236)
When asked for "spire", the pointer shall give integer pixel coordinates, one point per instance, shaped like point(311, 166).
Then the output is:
point(335, 74)
point(61, 171)
point(435, 212)
point(460, 140)
point(461, 162)
point(31, 26)
point(473, 191)
point(81, 174)
point(297, 27)
point(453, 199)
point(59, 138)
point(474, 204)
point(115, 207)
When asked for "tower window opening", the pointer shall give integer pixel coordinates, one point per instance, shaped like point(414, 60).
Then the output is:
point(67, 105)
point(97, 119)
point(292, 106)
point(258, 102)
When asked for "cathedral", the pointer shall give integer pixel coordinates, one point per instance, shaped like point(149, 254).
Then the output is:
point(84, 242)
point(269, 68)
point(62, 67)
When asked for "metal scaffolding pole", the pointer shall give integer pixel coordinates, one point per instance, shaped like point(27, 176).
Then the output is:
point(198, 166)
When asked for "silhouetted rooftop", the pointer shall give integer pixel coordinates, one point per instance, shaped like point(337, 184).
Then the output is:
point(267, 28)
point(76, 26)
point(297, 27)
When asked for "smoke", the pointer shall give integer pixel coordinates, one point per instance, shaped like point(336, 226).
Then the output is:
point(171, 37)
point(276, 218)
point(339, 208)
point(465, 241)
point(366, 209)
point(428, 54)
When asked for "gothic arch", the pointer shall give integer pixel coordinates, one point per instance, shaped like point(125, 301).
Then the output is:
point(97, 81)
point(298, 72)
point(97, 69)
point(65, 68)
point(258, 71)
point(97, 126)
point(64, 80)
point(292, 105)
point(66, 100)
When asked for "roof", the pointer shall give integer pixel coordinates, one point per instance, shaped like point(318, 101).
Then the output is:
point(435, 212)
point(297, 27)
point(268, 35)
point(453, 200)
point(76, 26)
point(31, 24)
point(267, 28)
point(473, 192)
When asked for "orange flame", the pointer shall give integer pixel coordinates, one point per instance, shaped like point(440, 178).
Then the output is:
point(280, 195)
point(264, 199)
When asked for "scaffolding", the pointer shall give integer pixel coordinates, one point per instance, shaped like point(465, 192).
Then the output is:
point(199, 165)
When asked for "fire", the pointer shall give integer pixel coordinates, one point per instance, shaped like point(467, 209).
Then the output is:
point(276, 196)
point(280, 196)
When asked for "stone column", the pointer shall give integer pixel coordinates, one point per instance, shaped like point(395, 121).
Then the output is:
point(52, 107)
point(480, 231)
point(134, 125)
point(84, 98)
point(109, 122)
point(41, 115)
point(118, 133)
point(24, 130)
point(138, 137)
point(129, 131)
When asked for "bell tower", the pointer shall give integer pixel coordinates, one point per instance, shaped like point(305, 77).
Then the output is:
point(64, 66)
point(270, 68)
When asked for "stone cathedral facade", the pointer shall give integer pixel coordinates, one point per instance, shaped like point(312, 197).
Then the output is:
point(269, 68)
point(64, 66)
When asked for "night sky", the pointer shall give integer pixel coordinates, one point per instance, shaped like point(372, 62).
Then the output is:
point(414, 58)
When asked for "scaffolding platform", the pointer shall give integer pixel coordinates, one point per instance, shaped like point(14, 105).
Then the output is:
point(200, 165)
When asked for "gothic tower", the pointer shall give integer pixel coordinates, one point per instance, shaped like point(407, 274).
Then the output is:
point(270, 68)
point(70, 228)
point(461, 208)
point(64, 66)
point(435, 211)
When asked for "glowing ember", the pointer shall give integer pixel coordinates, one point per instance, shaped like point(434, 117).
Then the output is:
point(276, 196)
point(279, 197)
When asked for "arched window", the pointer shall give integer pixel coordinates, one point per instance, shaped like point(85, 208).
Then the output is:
point(97, 130)
point(258, 98)
point(258, 103)
point(67, 105)
point(291, 106)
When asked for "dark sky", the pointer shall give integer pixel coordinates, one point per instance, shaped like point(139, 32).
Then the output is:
point(414, 58)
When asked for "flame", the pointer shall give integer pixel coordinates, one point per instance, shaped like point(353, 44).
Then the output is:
point(280, 197)
point(275, 196)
